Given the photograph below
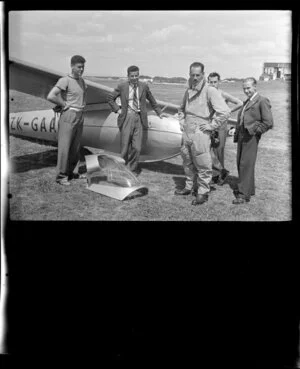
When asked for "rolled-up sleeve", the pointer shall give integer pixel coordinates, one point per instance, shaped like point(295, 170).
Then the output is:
point(222, 111)
point(111, 99)
point(62, 83)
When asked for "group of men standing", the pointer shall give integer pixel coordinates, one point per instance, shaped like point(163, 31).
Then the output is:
point(203, 112)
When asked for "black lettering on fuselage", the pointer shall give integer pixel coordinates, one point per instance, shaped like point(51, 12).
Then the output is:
point(52, 125)
point(11, 124)
point(19, 128)
point(34, 126)
point(43, 125)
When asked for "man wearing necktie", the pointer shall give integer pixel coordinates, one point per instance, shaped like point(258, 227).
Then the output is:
point(253, 120)
point(132, 115)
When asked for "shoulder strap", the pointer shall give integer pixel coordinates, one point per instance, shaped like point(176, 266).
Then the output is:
point(197, 94)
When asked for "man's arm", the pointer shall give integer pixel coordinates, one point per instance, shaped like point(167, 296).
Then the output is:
point(266, 121)
point(111, 99)
point(238, 103)
point(222, 111)
point(55, 97)
point(181, 110)
point(152, 101)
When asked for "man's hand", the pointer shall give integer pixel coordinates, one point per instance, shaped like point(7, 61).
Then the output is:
point(59, 108)
point(180, 115)
point(205, 127)
point(119, 111)
point(163, 115)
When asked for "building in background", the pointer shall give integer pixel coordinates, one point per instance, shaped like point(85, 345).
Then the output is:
point(276, 71)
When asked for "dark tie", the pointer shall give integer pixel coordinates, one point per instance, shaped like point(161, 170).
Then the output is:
point(135, 99)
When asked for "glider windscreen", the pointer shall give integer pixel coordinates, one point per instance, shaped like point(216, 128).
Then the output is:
point(109, 170)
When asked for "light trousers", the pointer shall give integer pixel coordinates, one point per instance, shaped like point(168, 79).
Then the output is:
point(197, 162)
point(218, 152)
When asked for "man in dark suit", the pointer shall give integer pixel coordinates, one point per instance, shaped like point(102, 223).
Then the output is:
point(254, 119)
point(132, 115)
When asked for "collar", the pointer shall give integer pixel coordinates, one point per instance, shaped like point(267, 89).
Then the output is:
point(198, 86)
point(70, 75)
point(253, 96)
point(132, 85)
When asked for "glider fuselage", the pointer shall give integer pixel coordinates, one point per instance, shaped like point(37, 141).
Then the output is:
point(161, 140)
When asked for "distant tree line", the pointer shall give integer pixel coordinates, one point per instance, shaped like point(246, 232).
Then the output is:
point(233, 79)
point(169, 80)
point(157, 79)
point(103, 77)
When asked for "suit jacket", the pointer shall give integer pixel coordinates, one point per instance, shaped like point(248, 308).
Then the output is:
point(123, 91)
point(257, 115)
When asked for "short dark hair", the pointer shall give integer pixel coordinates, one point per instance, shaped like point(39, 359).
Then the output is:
point(132, 68)
point(214, 74)
point(77, 59)
point(252, 79)
point(197, 65)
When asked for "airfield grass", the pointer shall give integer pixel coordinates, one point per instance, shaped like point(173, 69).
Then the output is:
point(34, 194)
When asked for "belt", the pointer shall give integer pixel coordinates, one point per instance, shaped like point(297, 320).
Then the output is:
point(130, 110)
point(75, 109)
point(188, 115)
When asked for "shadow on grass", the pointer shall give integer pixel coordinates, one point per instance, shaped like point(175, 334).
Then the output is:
point(139, 193)
point(43, 159)
point(163, 167)
point(179, 182)
point(232, 181)
point(20, 164)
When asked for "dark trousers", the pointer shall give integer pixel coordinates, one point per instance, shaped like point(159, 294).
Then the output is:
point(70, 127)
point(131, 139)
point(246, 158)
point(217, 153)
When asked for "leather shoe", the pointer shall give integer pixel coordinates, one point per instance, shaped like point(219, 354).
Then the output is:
point(184, 191)
point(78, 176)
point(63, 182)
point(215, 179)
point(240, 200)
point(200, 199)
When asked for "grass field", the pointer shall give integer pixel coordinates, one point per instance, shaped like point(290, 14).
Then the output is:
point(36, 196)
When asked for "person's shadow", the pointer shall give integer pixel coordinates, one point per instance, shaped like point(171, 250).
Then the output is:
point(232, 181)
point(163, 167)
point(24, 163)
point(179, 182)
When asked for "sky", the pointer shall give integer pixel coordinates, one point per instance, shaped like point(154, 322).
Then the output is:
point(160, 43)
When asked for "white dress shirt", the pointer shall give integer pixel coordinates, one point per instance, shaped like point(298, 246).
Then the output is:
point(130, 98)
